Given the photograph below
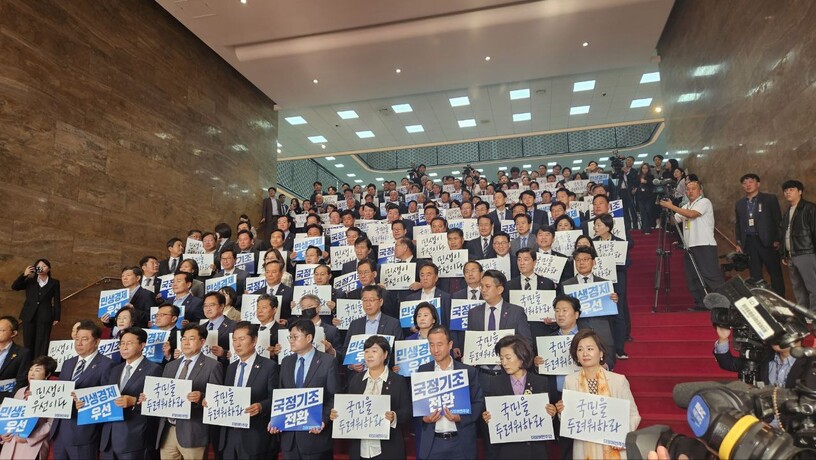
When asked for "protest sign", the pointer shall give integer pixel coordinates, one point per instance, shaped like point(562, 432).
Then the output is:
point(193, 247)
point(595, 298)
point(337, 235)
point(109, 348)
point(407, 308)
point(254, 283)
point(50, 399)
point(614, 249)
point(166, 287)
point(453, 213)
point(577, 186)
point(249, 305)
point(347, 282)
point(13, 418)
point(398, 276)
point(565, 241)
point(111, 301)
point(166, 397)
point(459, 313)
point(450, 263)
point(226, 404)
point(361, 417)
point(347, 311)
point(575, 215)
point(261, 345)
point(304, 274)
point(421, 230)
point(154, 345)
point(537, 304)
point(410, 354)
point(245, 261)
point(432, 391)
point(286, 347)
point(323, 292)
point(605, 268)
point(519, 418)
point(61, 351)
point(618, 228)
point(355, 354)
point(595, 418)
point(212, 341)
point(550, 266)
point(215, 284)
point(428, 245)
point(480, 346)
point(99, 406)
point(379, 232)
point(7, 385)
point(385, 254)
point(205, 262)
point(469, 227)
point(509, 227)
point(297, 409)
point(341, 255)
point(599, 178)
point(501, 264)
point(556, 353)
point(302, 242)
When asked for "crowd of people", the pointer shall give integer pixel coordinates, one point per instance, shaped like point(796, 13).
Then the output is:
point(547, 230)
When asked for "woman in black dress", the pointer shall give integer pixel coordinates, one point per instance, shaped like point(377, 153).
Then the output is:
point(41, 309)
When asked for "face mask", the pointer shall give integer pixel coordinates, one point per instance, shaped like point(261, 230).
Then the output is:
point(309, 313)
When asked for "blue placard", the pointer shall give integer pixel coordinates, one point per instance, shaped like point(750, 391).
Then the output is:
point(599, 178)
point(355, 354)
point(385, 254)
point(596, 298)
point(459, 314)
point(216, 284)
point(337, 235)
point(575, 215)
point(432, 391)
point(253, 284)
point(166, 288)
point(7, 386)
point(304, 274)
point(407, 311)
point(616, 208)
point(112, 301)
point(13, 419)
point(245, 261)
point(297, 409)
point(409, 357)
point(155, 342)
point(99, 406)
point(110, 348)
point(299, 250)
point(347, 282)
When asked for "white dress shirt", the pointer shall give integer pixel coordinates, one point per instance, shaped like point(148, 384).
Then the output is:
point(443, 425)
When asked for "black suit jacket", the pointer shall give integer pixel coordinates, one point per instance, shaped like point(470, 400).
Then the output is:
point(263, 378)
point(512, 317)
point(224, 331)
point(42, 305)
point(137, 431)
point(193, 309)
point(395, 386)
point(444, 303)
point(475, 249)
point(600, 324)
point(164, 266)
point(799, 370)
point(387, 326)
point(15, 366)
point(142, 300)
point(286, 294)
point(390, 305)
point(543, 284)
point(322, 373)
point(766, 219)
point(496, 218)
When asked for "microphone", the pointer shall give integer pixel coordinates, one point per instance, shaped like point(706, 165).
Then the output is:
point(683, 392)
point(803, 352)
point(716, 300)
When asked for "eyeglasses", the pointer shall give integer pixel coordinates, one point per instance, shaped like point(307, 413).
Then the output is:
point(583, 259)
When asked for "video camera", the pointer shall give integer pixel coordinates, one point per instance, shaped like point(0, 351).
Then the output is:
point(737, 262)
point(664, 189)
point(616, 161)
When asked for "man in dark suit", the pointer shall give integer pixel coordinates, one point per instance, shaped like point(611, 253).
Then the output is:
point(286, 225)
point(374, 321)
point(307, 367)
point(133, 437)
point(362, 251)
point(456, 242)
point(529, 281)
point(405, 252)
point(309, 308)
point(214, 304)
point(224, 233)
point(87, 369)
point(538, 217)
point(193, 306)
point(166, 320)
point(271, 209)
point(367, 276)
point(14, 359)
point(175, 248)
point(501, 211)
point(443, 434)
point(428, 277)
point(246, 245)
point(150, 272)
point(501, 246)
point(393, 212)
point(757, 231)
point(189, 438)
point(482, 248)
point(261, 376)
point(141, 299)
point(545, 236)
point(584, 263)
point(273, 272)
point(228, 269)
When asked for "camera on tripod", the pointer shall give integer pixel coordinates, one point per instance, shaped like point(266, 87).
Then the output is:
point(664, 189)
point(616, 161)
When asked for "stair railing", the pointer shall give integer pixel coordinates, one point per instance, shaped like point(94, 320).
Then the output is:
point(103, 280)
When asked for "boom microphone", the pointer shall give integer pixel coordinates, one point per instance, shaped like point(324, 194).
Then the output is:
point(716, 300)
point(803, 352)
point(683, 392)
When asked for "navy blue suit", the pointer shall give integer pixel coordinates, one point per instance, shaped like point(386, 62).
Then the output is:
point(193, 309)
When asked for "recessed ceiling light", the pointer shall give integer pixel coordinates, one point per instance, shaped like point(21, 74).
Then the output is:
point(323, 146)
point(317, 139)
point(399, 70)
point(338, 165)
point(650, 77)
point(358, 181)
point(244, 1)
point(364, 134)
point(414, 129)
point(459, 101)
point(279, 150)
point(643, 155)
point(297, 120)
point(639, 162)
point(437, 180)
point(521, 116)
point(580, 110)
point(348, 114)
point(526, 166)
point(706, 148)
point(487, 58)
point(602, 165)
point(688, 97)
point(455, 172)
point(351, 175)
point(519, 94)
point(585, 44)
point(637, 103)
point(579, 86)
point(706, 70)
point(681, 152)
point(576, 162)
point(433, 175)
point(480, 169)
point(402, 108)
point(658, 109)
point(469, 123)
point(330, 158)
point(315, 81)
point(279, 144)
point(552, 163)
point(502, 168)
point(379, 179)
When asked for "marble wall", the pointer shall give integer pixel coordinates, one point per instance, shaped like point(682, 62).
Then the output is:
point(739, 85)
point(118, 130)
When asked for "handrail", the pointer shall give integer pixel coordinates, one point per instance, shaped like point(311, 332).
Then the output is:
point(103, 280)
point(725, 237)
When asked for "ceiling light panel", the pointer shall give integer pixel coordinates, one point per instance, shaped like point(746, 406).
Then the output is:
point(297, 120)
point(650, 77)
point(637, 103)
point(459, 101)
point(348, 114)
point(521, 116)
point(520, 94)
point(580, 110)
point(330, 158)
point(365, 134)
point(579, 86)
point(317, 139)
point(402, 108)
point(469, 123)
point(414, 129)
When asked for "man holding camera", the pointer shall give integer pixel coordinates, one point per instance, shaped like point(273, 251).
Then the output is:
point(697, 219)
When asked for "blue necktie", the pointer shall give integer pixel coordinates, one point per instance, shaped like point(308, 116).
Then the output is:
point(491, 323)
point(299, 373)
point(210, 326)
point(79, 370)
point(241, 375)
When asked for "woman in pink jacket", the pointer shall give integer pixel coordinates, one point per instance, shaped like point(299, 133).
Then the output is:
point(35, 446)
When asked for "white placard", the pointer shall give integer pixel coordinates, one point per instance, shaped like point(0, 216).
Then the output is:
point(167, 397)
point(421, 230)
point(615, 249)
point(519, 418)
point(61, 351)
point(550, 266)
point(361, 417)
point(537, 304)
point(594, 418)
point(509, 227)
point(451, 263)
point(261, 345)
point(565, 241)
point(605, 268)
point(556, 353)
point(341, 255)
point(226, 404)
point(323, 292)
point(479, 346)
point(470, 227)
point(428, 245)
point(286, 349)
point(453, 213)
point(501, 264)
point(205, 262)
point(193, 247)
point(618, 228)
point(212, 341)
point(398, 276)
point(50, 399)
point(347, 311)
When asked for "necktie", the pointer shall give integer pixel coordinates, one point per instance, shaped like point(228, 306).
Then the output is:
point(210, 326)
point(125, 377)
point(524, 242)
point(527, 286)
point(299, 373)
point(173, 266)
point(241, 375)
point(473, 295)
point(184, 369)
point(491, 323)
point(484, 246)
point(78, 370)
point(586, 279)
point(263, 328)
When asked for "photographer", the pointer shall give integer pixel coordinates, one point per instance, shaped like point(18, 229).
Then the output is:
point(777, 369)
point(697, 219)
point(41, 309)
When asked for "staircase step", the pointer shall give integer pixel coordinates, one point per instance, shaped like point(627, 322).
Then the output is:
point(669, 333)
point(671, 347)
point(658, 382)
point(671, 319)
point(671, 364)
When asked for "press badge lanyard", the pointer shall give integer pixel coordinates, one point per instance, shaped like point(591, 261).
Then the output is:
point(750, 206)
point(690, 206)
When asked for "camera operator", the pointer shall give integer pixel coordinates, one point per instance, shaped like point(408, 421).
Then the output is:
point(778, 369)
point(697, 219)
point(799, 229)
point(757, 231)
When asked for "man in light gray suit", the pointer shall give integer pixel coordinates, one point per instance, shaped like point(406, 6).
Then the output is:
point(188, 439)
